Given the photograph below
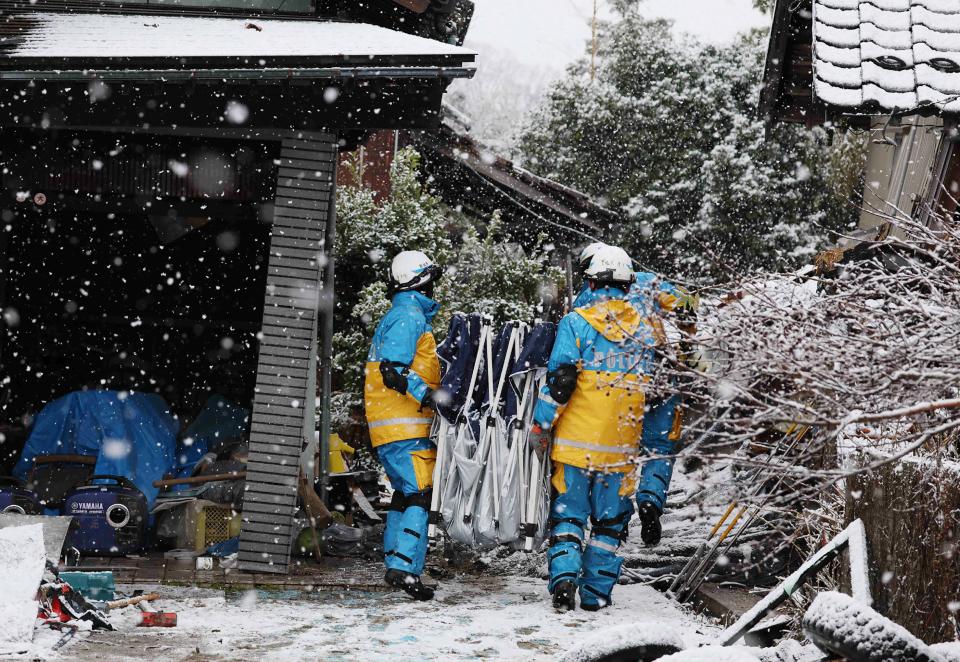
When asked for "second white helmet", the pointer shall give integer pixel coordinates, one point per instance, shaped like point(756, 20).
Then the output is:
point(610, 263)
point(411, 270)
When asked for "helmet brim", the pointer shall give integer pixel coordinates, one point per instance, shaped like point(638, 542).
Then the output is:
point(431, 274)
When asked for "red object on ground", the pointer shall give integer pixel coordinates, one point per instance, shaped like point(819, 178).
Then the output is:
point(158, 619)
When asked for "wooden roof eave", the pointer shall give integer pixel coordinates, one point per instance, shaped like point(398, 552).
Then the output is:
point(776, 59)
point(129, 72)
point(787, 92)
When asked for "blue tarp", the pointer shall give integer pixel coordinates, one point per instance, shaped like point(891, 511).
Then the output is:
point(133, 435)
point(218, 421)
point(225, 548)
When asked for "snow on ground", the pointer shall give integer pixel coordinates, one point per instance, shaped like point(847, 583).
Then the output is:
point(695, 502)
point(950, 651)
point(475, 617)
point(22, 560)
point(502, 613)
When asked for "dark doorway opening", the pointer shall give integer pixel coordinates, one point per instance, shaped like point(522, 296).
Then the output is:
point(130, 262)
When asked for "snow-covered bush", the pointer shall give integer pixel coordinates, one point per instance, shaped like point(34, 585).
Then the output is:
point(668, 134)
point(867, 341)
point(860, 352)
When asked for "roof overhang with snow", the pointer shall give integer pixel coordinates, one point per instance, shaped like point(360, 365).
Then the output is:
point(887, 55)
point(47, 44)
point(161, 70)
point(858, 58)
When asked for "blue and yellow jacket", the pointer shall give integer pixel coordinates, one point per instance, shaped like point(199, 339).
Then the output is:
point(612, 346)
point(404, 338)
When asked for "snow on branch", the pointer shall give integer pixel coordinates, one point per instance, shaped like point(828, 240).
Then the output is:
point(866, 345)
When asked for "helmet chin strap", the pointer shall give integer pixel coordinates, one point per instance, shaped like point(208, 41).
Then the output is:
point(595, 285)
point(428, 289)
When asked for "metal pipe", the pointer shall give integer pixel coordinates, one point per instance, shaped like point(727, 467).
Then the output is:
point(326, 377)
point(698, 554)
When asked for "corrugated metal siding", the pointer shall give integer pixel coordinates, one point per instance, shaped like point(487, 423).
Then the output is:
point(283, 409)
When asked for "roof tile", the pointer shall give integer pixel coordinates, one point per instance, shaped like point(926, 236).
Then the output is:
point(887, 54)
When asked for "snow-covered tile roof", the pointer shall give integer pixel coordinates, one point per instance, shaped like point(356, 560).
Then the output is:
point(891, 54)
point(59, 35)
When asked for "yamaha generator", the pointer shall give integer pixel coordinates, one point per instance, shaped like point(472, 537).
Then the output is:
point(15, 498)
point(109, 519)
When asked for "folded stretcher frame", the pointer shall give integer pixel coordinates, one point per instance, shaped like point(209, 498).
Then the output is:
point(490, 487)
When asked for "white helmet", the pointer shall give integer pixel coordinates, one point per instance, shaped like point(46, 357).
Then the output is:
point(610, 263)
point(411, 270)
point(587, 253)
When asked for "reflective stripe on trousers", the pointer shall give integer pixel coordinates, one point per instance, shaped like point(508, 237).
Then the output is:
point(594, 567)
point(405, 534)
point(593, 542)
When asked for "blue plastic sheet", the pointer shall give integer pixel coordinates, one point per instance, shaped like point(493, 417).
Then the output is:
point(133, 435)
point(225, 548)
point(218, 421)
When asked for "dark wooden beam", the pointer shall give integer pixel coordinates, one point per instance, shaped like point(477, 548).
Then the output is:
point(373, 104)
point(776, 58)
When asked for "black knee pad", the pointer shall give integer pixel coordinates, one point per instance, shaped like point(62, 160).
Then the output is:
point(401, 502)
point(615, 527)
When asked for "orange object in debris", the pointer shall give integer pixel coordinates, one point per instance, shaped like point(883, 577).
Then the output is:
point(158, 619)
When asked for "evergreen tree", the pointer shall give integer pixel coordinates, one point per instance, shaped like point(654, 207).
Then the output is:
point(667, 133)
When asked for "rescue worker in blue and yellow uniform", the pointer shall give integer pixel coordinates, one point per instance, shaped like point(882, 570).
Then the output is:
point(593, 403)
point(402, 374)
point(655, 299)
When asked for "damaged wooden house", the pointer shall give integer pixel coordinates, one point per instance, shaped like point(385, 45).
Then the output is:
point(889, 69)
point(167, 204)
point(467, 175)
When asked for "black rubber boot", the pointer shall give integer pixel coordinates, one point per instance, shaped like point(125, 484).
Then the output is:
point(410, 584)
point(650, 530)
point(565, 596)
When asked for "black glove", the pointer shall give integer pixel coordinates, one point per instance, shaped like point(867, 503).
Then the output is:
point(650, 529)
point(393, 379)
point(430, 399)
